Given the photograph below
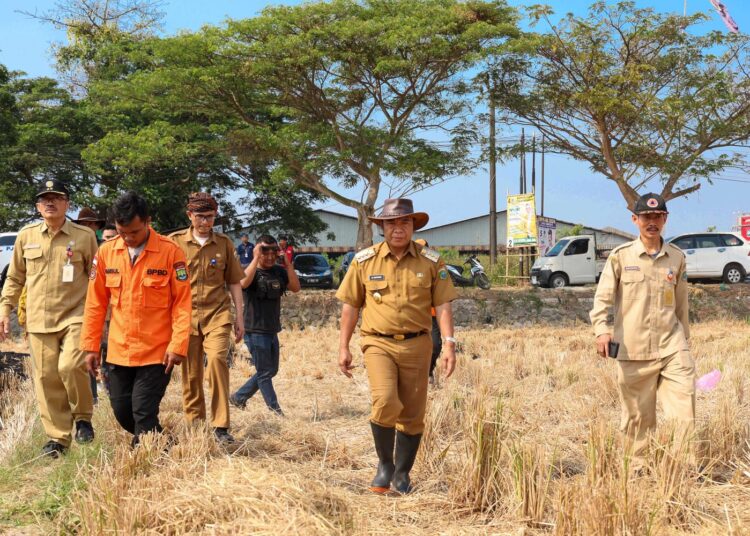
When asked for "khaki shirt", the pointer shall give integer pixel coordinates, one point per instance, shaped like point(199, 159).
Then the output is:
point(396, 295)
point(38, 261)
point(212, 267)
point(650, 298)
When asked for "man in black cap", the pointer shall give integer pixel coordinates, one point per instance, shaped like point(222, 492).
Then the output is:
point(52, 259)
point(646, 282)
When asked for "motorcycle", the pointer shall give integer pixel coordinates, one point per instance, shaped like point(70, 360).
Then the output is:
point(476, 274)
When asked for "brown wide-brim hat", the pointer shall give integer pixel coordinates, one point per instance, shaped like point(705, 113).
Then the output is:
point(87, 215)
point(400, 208)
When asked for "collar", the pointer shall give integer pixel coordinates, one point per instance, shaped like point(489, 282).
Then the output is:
point(385, 250)
point(640, 248)
point(191, 238)
point(65, 227)
point(152, 243)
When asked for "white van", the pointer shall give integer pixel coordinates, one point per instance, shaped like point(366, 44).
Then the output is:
point(573, 260)
point(7, 242)
point(724, 256)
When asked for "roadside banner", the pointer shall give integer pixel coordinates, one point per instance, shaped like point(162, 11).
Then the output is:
point(547, 234)
point(745, 226)
point(725, 17)
point(521, 221)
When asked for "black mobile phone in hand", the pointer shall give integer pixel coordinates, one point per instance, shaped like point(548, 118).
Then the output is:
point(613, 349)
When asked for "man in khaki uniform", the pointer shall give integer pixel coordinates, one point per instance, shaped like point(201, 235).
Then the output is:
point(214, 268)
point(52, 259)
point(396, 283)
point(646, 282)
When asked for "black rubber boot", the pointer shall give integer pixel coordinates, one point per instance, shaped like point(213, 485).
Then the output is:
point(406, 452)
point(384, 447)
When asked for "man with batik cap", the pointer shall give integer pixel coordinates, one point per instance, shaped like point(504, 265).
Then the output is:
point(52, 259)
point(395, 284)
point(646, 282)
point(215, 275)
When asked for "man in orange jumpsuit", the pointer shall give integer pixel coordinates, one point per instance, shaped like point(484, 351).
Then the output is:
point(144, 277)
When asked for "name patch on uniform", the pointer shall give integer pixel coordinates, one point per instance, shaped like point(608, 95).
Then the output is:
point(156, 271)
point(32, 246)
point(112, 271)
point(377, 277)
point(180, 271)
point(632, 268)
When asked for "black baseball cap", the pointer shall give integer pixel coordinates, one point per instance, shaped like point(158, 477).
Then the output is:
point(52, 186)
point(650, 203)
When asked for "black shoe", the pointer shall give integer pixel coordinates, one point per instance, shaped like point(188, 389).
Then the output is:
point(84, 432)
point(53, 449)
point(223, 437)
point(236, 402)
point(384, 447)
point(406, 452)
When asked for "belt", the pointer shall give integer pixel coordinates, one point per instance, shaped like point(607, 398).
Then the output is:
point(400, 336)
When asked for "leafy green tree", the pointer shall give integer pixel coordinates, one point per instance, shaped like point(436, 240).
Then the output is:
point(349, 99)
point(636, 94)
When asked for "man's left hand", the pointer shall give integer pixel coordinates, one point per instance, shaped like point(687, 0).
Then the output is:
point(449, 359)
point(170, 360)
point(239, 330)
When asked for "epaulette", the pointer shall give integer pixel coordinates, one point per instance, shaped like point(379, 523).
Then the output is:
point(622, 246)
point(31, 225)
point(677, 248)
point(178, 233)
point(365, 254)
point(430, 254)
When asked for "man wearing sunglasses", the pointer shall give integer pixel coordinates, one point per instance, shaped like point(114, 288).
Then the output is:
point(51, 260)
point(215, 275)
point(264, 283)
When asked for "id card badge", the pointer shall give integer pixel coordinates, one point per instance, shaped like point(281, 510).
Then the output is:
point(669, 297)
point(68, 272)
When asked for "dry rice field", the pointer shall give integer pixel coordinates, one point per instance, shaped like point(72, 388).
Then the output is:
point(521, 440)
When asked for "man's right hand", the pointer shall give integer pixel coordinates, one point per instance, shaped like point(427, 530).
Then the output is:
point(345, 362)
point(4, 328)
point(602, 344)
point(92, 363)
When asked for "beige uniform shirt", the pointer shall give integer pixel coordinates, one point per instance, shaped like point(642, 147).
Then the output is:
point(650, 300)
point(38, 263)
point(212, 268)
point(396, 295)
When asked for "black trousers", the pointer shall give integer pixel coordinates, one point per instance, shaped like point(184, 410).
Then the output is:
point(135, 394)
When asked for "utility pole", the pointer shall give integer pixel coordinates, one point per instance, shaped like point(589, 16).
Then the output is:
point(493, 175)
point(522, 177)
point(533, 165)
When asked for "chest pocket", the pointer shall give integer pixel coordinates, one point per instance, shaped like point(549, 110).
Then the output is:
point(156, 292)
point(379, 287)
point(113, 283)
point(419, 287)
point(34, 260)
point(269, 289)
point(634, 285)
point(215, 272)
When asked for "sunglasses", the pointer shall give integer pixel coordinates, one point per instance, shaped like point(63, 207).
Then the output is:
point(269, 249)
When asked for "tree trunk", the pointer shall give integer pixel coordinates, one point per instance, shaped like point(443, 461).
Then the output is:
point(364, 227)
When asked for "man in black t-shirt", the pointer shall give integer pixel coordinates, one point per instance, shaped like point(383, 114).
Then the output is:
point(264, 283)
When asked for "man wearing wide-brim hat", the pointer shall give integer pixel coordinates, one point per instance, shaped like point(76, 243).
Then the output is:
point(90, 219)
point(395, 283)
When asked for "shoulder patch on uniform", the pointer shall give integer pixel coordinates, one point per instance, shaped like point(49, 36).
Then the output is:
point(365, 254)
point(430, 254)
point(180, 271)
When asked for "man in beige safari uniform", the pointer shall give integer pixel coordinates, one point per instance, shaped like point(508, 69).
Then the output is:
point(646, 282)
point(396, 283)
point(52, 259)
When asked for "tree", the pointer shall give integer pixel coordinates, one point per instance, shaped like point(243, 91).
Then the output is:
point(343, 97)
point(636, 95)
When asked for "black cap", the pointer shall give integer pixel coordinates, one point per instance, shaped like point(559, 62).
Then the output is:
point(53, 186)
point(650, 203)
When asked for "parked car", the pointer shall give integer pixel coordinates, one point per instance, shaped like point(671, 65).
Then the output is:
point(572, 260)
point(345, 263)
point(7, 242)
point(724, 256)
point(313, 270)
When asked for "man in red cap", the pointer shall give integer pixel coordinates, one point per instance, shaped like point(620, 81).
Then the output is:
point(395, 284)
point(646, 282)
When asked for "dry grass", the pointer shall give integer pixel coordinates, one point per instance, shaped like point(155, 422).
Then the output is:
point(522, 440)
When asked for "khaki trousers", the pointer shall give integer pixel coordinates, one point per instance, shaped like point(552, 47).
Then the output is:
point(61, 382)
point(672, 380)
point(215, 346)
point(398, 372)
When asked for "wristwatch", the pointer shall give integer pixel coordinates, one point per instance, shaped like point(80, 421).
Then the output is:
point(450, 339)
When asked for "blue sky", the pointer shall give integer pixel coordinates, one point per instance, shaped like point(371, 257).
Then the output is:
point(574, 193)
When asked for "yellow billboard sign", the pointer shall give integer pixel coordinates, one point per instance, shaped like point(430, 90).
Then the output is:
point(521, 228)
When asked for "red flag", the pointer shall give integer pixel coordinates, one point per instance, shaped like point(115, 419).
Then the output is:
point(724, 14)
